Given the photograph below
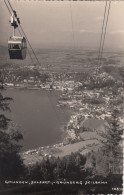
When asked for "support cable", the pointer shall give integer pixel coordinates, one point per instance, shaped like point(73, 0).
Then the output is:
point(18, 28)
point(34, 55)
point(102, 33)
point(7, 6)
point(27, 50)
point(25, 35)
point(102, 40)
point(105, 30)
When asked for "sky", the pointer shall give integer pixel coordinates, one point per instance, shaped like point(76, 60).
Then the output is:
point(65, 24)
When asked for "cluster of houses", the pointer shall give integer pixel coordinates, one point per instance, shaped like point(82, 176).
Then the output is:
point(95, 104)
point(44, 151)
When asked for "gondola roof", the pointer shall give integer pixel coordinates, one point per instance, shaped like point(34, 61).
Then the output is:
point(16, 40)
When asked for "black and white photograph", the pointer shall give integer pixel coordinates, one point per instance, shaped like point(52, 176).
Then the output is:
point(61, 97)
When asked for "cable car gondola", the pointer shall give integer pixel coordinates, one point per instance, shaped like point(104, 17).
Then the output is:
point(17, 47)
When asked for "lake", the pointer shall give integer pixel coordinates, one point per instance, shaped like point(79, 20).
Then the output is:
point(39, 118)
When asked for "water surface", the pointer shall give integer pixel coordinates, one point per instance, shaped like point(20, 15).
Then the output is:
point(37, 114)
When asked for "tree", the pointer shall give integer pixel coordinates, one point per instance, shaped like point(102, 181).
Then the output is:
point(112, 144)
point(11, 164)
point(70, 167)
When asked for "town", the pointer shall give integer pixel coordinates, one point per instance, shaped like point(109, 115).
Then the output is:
point(89, 96)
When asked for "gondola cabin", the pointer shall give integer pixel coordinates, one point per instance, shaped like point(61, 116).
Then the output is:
point(17, 47)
